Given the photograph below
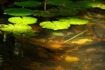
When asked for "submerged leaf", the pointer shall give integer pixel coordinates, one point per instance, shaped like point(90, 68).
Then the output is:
point(71, 59)
point(82, 41)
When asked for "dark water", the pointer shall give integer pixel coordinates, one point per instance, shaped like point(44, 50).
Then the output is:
point(85, 52)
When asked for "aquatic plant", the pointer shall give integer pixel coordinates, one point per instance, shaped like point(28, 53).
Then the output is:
point(74, 5)
point(59, 2)
point(101, 6)
point(66, 7)
point(63, 23)
point(15, 29)
point(22, 20)
point(18, 11)
point(75, 21)
point(28, 3)
point(63, 8)
point(86, 4)
point(55, 25)
point(20, 24)
point(55, 12)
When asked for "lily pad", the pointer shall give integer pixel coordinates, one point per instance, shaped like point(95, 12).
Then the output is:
point(75, 21)
point(94, 4)
point(18, 11)
point(15, 29)
point(102, 6)
point(78, 21)
point(55, 25)
point(28, 3)
point(23, 20)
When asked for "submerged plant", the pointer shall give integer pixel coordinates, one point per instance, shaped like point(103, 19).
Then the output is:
point(55, 12)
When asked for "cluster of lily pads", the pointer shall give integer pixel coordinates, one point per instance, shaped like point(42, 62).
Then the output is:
point(63, 23)
point(75, 5)
point(68, 7)
point(19, 24)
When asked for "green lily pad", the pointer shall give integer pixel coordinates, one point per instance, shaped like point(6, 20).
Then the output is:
point(23, 20)
point(94, 4)
point(15, 29)
point(102, 6)
point(18, 11)
point(75, 21)
point(28, 3)
point(78, 21)
point(55, 25)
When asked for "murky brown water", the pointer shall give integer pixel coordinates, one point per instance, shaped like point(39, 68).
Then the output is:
point(51, 51)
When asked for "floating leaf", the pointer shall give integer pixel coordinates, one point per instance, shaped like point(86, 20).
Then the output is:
point(23, 30)
point(78, 21)
point(18, 11)
point(94, 4)
point(55, 25)
point(16, 29)
point(7, 28)
point(75, 21)
point(23, 20)
point(28, 3)
point(102, 6)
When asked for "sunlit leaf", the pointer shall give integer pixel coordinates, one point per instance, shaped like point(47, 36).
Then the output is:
point(17, 29)
point(55, 25)
point(75, 21)
point(102, 6)
point(23, 20)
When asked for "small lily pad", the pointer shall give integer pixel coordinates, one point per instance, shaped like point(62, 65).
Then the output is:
point(18, 11)
point(28, 3)
point(78, 21)
point(75, 21)
point(15, 29)
point(102, 6)
point(23, 20)
point(55, 25)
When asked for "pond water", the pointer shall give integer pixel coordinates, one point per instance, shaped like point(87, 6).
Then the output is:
point(77, 48)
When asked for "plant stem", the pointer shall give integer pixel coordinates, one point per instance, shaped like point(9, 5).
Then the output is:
point(44, 5)
point(75, 36)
